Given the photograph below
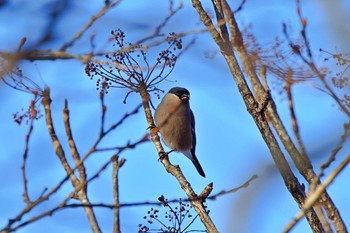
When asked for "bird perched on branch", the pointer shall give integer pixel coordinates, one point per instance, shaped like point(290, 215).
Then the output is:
point(175, 122)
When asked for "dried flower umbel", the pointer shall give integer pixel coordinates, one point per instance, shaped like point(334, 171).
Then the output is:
point(128, 66)
point(176, 219)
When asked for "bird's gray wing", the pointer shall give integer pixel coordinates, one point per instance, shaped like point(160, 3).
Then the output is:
point(192, 154)
point(193, 131)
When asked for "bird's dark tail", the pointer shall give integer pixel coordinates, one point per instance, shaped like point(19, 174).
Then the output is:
point(192, 156)
point(198, 166)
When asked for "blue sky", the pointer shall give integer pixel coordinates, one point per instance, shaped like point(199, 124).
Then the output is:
point(229, 146)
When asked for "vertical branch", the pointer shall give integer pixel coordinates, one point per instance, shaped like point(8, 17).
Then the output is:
point(23, 167)
point(56, 143)
point(103, 111)
point(115, 179)
point(83, 198)
point(79, 185)
point(75, 154)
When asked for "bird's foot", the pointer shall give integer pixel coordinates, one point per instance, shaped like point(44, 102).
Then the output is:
point(153, 129)
point(163, 154)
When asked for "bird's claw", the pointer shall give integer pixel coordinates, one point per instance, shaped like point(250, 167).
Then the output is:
point(153, 129)
point(163, 154)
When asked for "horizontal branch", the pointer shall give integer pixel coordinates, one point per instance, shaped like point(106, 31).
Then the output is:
point(159, 203)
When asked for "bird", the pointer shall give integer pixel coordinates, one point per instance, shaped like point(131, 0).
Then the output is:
point(175, 121)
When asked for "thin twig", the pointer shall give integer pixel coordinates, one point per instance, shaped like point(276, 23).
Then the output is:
point(115, 178)
point(157, 31)
point(85, 204)
point(329, 89)
point(55, 141)
point(103, 111)
point(233, 190)
point(335, 150)
point(126, 115)
point(23, 167)
point(308, 59)
point(240, 7)
point(51, 55)
point(72, 145)
point(288, 88)
point(33, 204)
point(104, 9)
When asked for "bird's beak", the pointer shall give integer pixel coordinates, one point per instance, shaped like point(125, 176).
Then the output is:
point(185, 97)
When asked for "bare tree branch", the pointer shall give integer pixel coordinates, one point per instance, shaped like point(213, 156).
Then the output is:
point(315, 195)
point(117, 164)
point(226, 46)
point(55, 141)
point(335, 151)
point(74, 151)
point(288, 88)
point(23, 167)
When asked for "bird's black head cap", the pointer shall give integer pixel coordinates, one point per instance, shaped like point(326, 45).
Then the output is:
point(179, 91)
